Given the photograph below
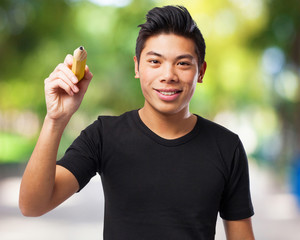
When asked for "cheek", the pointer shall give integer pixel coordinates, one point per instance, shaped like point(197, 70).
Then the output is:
point(190, 85)
point(145, 82)
point(146, 76)
point(190, 79)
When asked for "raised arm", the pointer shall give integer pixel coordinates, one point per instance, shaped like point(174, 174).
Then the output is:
point(45, 185)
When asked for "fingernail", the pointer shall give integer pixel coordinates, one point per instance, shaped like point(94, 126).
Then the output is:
point(75, 88)
point(74, 79)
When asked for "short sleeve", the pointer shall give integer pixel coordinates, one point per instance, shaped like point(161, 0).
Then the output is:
point(236, 201)
point(82, 158)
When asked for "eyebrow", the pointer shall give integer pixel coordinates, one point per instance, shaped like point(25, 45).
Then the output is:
point(189, 56)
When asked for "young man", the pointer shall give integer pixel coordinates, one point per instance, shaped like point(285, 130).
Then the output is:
point(166, 173)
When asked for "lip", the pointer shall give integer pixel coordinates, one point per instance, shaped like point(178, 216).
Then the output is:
point(171, 94)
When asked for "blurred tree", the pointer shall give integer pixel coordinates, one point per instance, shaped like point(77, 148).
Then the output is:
point(279, 42)
point(25, 27)
point(36, 35)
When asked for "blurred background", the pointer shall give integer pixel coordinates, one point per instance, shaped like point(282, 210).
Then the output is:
point(251, 86)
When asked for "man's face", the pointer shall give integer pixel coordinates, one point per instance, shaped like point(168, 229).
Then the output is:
point(168, 72)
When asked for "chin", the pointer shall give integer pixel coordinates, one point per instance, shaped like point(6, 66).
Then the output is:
point(169, 110)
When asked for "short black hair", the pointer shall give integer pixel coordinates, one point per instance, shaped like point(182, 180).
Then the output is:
point(170, 19)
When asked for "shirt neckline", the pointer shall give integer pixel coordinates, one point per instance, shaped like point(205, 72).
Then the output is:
point(166, 142)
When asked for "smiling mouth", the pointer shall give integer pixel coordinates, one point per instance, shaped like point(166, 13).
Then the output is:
point(168, 92)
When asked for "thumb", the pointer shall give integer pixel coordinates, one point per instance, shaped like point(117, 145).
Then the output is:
point(84, 83)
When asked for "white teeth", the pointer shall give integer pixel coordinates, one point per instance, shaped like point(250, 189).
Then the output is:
point(168, 93)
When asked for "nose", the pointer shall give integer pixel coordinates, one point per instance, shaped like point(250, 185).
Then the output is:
point(169, 74)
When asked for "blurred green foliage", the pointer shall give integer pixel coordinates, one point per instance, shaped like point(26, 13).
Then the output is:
point(252, 46)
point(37, 35)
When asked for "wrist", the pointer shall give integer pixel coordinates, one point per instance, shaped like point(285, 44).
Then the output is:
point(56, 124)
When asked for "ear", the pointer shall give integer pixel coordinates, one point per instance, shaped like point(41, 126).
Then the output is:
point(136, 67)
point(202, 72)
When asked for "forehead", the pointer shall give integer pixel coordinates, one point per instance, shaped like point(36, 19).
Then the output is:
point(169, 45)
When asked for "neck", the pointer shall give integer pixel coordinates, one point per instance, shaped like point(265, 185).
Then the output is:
point(168, 126)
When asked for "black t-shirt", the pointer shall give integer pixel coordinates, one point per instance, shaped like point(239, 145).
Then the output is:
point(156, 188)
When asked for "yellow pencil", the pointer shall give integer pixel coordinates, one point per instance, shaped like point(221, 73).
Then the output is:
point(79, 61)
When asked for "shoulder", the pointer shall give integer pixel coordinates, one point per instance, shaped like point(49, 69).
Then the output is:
point(115, 126)
point(116, 118)
point(217, 131)
point(115, 122)
point(220, 139)
point(106, 123)
point(110, 120)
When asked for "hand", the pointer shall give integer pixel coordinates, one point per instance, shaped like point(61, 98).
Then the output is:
point(63, 92)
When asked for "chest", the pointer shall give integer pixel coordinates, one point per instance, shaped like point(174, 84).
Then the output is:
point(149, 176)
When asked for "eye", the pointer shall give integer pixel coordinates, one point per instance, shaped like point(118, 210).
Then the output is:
point(154, 61)
point(184, 64)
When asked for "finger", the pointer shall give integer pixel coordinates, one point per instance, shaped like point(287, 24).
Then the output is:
point(67, 71)
point(68, 60)
point(68, 81)
point(84, 83)
point(64, 77)
point(83, 86)
point(58, 83)
point(88, 75)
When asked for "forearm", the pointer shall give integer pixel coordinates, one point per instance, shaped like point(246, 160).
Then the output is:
point(39, 177)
